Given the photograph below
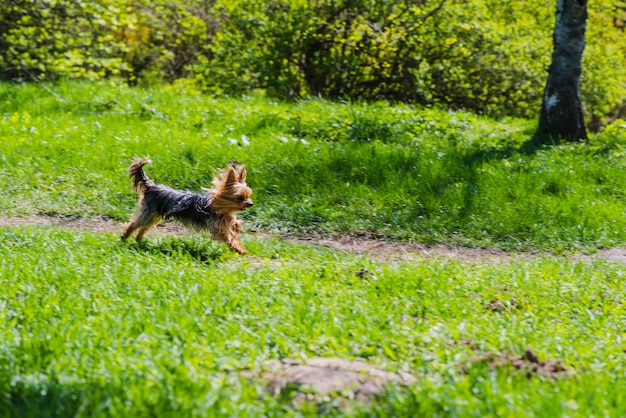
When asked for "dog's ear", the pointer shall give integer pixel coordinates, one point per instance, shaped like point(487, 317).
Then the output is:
point(240, 169)
point(242, 174)
point(231, 175)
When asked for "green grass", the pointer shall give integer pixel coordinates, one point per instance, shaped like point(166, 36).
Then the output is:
point(95, 327)
point(412, 174)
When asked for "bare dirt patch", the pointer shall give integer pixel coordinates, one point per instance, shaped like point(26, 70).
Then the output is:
point(378, 249)
point(498, 305)
point(527, 363)
point(617, 255)
point(95, 224)
point(324, 379)
point(385, 250)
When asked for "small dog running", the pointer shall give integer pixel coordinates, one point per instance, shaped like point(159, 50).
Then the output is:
point(213, 211)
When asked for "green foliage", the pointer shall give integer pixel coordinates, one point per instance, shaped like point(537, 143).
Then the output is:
point(461, 55)
point(62, 38)
point(602, 90)
point(486, 56)
point(489, 57)
point(154, 40)
point(167, 37)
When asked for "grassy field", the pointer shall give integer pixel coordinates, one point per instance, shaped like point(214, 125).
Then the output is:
point(369, 169)
point(92, 326)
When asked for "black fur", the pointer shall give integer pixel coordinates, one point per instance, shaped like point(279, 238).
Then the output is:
point(191, 209)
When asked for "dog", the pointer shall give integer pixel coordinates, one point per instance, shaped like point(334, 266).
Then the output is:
point(213, 211)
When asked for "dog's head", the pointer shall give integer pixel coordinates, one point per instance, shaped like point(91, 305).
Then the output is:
point(230, 192)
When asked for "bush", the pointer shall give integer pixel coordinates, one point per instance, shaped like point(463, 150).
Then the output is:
point(154, 40)
point(486, 56)
point(73, 38)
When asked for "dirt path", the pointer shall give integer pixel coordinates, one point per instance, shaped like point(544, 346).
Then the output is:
point(378, 249)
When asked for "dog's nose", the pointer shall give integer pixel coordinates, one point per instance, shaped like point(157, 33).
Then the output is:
point(250, 204)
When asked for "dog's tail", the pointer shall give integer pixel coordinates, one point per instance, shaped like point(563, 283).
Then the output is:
point(139, 178)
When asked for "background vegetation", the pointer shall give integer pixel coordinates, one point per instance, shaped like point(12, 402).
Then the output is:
point(486, 56)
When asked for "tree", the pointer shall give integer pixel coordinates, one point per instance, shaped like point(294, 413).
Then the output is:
point(561, 111)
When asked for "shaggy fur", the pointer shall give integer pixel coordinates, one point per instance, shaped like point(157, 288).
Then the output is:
point(212, 211)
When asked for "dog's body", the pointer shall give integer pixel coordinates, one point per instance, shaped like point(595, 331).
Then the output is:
point(214, 211)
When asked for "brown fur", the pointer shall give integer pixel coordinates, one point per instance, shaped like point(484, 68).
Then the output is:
point(213, 211)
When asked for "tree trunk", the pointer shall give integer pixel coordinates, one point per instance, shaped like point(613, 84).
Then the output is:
point(562, 112)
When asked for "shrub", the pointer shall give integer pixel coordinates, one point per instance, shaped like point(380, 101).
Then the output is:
point(485, 56)
point(97, 39)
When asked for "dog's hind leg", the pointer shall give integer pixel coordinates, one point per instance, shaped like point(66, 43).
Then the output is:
point(142, 231)
point(141, 224)
point(128, 230)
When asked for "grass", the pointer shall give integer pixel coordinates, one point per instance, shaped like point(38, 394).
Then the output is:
point(399, 172)
point(93, 327)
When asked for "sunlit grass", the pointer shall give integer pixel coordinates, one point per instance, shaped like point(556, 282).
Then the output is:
point(92, 326)
point(95, 327)
point(317, 167)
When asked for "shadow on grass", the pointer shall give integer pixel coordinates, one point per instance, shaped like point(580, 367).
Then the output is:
point(43, 402)
point(61, 400)
point(428, 178)
point(469, 161)
point(195, 248)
